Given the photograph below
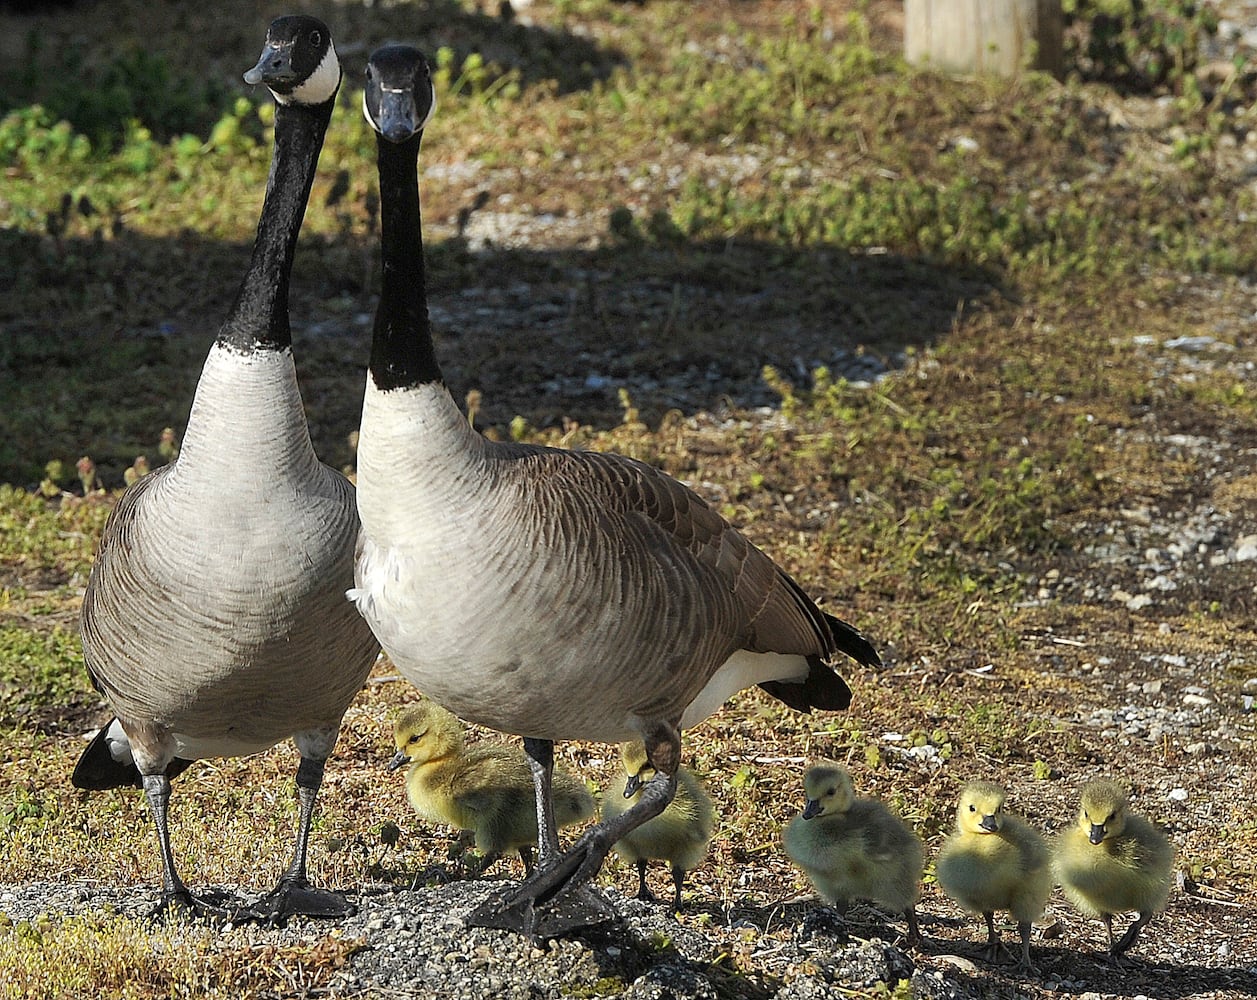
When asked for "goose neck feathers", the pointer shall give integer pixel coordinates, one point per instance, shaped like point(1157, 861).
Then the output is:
point(258, 318)
point(251, 399)
point(398, 102)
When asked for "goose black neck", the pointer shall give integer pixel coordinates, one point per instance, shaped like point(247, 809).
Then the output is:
point(402, 355)
point(259, 317)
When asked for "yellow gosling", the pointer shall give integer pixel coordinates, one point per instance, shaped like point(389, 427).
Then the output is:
point(485, 789)
point(1111, 861)
point(679, 835)
point(994, 861)
point(854, 848)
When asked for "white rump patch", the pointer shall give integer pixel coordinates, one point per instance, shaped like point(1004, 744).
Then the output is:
point(119, 743)
point(743, 669)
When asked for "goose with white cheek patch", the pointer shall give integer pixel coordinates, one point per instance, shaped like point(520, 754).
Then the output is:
point(548, 593)
point(214, 621)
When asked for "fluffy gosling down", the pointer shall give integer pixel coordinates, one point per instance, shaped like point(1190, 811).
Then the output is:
point(1111, 861)
point(855, 848)
point(486, 790)
point(994, 861)
point(679, 835)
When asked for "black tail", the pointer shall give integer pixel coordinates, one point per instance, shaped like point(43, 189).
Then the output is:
point(851, 641)
point(98, 769)
point(823, 688)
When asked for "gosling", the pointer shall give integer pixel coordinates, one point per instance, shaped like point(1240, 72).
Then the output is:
point(855, 848)
point(994, 861)
point(680, 835)
point(1112, 861)
point(486, 790)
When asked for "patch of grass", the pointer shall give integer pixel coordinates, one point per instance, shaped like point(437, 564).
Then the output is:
point(39, 670)
point(45, 542)
point(100, 954)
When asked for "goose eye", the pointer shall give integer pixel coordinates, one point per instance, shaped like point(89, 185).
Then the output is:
point(316, 38)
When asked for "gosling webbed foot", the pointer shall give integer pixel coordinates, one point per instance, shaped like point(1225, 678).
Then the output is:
point(295, 898)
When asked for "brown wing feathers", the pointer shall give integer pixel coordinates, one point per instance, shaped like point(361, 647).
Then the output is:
point(782, 618)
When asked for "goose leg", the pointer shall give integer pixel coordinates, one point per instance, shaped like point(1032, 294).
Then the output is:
point(1128, 938)
point(293, 895)
point(678, 879)
point(541, 761)
point(643, 890)
point(557, 899)
point(174, 894)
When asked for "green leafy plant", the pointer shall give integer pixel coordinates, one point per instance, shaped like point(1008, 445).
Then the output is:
point(1140, 44)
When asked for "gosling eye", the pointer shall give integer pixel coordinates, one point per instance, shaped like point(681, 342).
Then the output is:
point(972, 808)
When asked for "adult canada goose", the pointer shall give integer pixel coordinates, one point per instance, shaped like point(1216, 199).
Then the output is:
point(214, 620)
point(553, 594)
point(679, 835)
point(994, 861)
point(484, 789)
point(854, 848)
point(1111, 861)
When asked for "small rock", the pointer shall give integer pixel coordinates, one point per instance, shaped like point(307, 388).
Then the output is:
point(1246, 549)
point(961, 963)
point(1152, 687)
point(1177, 795)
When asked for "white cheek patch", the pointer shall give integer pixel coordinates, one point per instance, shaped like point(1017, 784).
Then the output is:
point(431, 109)
point(319, 87)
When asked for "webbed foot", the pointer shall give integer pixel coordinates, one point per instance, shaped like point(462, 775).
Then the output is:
point(214, 905)
point(295, 898)
point(518, 909)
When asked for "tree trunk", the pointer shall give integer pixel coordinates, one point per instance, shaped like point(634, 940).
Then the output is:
point(992, 36)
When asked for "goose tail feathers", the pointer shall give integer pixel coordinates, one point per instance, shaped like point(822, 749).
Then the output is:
point(852, 641)
point(107, 762)
point(823, 688)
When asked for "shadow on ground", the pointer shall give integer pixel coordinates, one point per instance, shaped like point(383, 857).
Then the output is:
point(106, 335)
